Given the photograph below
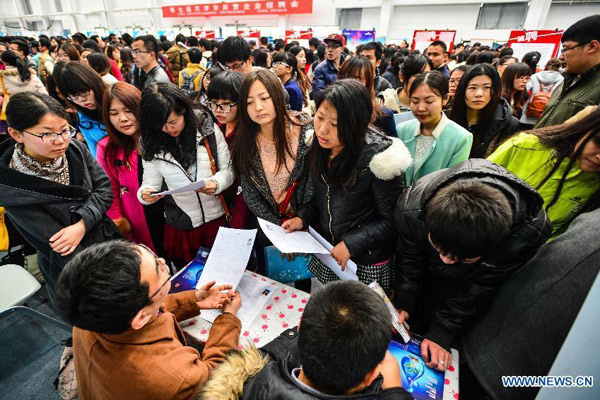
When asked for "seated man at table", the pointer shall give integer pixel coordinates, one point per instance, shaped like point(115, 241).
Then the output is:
point(340, 351)
point(126, 340)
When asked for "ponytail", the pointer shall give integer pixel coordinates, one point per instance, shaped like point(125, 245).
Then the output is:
point(11, 58)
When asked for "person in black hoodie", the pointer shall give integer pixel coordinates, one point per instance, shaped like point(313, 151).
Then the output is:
point(462, 232)
point(340, 351)
point(54, 191)
point(357, 174)
point(479, 107)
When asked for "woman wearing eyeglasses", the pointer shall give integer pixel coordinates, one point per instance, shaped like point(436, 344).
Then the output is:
point(83, 87)
point(53, 190)
point(285, 66)
point(223, 101)
point(180, 146)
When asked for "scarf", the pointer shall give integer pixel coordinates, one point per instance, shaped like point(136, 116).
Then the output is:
point(56, 170)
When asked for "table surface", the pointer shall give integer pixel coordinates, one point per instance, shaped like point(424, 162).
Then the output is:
point(284, 311)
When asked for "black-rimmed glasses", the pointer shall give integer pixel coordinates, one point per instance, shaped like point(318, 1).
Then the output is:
point(565, 49)
point(225, 107)
point(163, 266)
point(50, 137)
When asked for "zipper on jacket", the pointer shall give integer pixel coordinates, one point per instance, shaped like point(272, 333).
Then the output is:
point(269, 196)
point(329, 210)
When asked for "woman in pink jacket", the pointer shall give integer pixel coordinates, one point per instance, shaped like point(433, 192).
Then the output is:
point(119, 154)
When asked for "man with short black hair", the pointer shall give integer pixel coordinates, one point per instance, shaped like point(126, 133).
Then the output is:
point(177, 56)
point(437, 53)
point(264, 42)
point(462, 232)
point(78, 38)
point(581, 86)
point(373, 51)
point(206, 49)
point(148, 72)
point(235, 55)
point(127, 343)
point(22, 50)
point(192, 41)
point(313, 44)
point(191, 76)
point(339, 351)
point(326, 72)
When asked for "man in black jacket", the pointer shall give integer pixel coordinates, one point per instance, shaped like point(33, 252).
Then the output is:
point(462, 232)
point(339, 352)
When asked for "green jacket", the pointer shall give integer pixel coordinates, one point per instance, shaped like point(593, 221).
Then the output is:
point(452, 146)
point(526, 157)
point(570, 98)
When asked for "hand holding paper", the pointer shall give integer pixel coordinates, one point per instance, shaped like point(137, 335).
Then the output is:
point(192, 187)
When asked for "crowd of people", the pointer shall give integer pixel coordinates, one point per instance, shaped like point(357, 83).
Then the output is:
point(447, 177)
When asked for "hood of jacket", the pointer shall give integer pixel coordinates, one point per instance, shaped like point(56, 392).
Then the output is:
point(385, 156)
point(548, 77)
point(21, 189)
point(11, 74)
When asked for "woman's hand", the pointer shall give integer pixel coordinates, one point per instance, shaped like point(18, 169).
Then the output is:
point(209, 189)
point(341, 254)
point(293, 224)
point(211, 297)
point(146, 196)
point(67, 239)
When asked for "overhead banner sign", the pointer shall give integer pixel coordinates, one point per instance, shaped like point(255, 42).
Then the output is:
point(297, 35)
point(422, 39)
point(239, 8)
point(545, 42)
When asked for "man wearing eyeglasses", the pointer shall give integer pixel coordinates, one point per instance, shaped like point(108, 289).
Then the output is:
point(235, 54)
point(581, 87)
point(127, 343)
point(326, 72)
point(148, 72)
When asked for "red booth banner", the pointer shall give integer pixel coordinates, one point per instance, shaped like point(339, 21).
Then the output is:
point(249, 33)
point(205, 34)
point(546, 42)
point(239, 8)
point(422, 39)
point(297, 35)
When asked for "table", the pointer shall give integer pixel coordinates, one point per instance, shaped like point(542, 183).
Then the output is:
point(282, 312)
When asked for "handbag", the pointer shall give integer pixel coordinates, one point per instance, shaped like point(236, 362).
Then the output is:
point(4, 243)
point(213, 168)
point(6, 99)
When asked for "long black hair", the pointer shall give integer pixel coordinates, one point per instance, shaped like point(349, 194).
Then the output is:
point(76, 78)
point(354, 107)
point(11, 58)
point(412, 65)
point(459, 105)
point(158, 101)
point(26, 109)
point(515, 98)
point(563, 139)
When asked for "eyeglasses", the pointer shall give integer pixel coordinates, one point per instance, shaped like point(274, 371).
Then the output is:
point(224, 107)
point(565, 49)
point(276, 63)
point(137, 52)
point(233, 67)
point(50, 137)
point(164, 267)
point(81, 96)
point(333, 46)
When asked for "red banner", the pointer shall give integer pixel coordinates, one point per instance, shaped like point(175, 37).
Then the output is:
point(545, 42)
point(249, 33)
point(422, 39)
point(206, 34)
point(239, 8)
point(297, 35)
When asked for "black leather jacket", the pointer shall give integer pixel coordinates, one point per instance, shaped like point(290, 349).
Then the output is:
point(362, 215)
point(467, 287)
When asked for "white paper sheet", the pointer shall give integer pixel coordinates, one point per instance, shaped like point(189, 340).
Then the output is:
point(192, 187)
point(228, 257)
point(255, 295)
point(295, 242)
point(349, 274)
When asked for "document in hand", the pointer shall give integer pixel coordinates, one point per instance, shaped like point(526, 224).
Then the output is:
point(192, 187)
point(349, 274)
point(228, 257)
point(400, 328)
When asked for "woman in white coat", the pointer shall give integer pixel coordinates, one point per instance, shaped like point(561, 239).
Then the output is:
point(180, 146)
point(17, 77)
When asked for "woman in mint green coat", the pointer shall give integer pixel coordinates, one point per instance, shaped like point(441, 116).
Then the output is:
point(434, 141)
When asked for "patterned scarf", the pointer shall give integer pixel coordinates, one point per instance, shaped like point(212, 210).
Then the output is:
point(56, 170)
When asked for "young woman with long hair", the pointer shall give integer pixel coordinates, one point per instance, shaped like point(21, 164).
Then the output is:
point(514, 82)
point(304, 81)
point(361, 69)
point(83, 87)
point(411, 66)
point(17, 77)
point(435, 142)
point(357, 174)
point(455, 75)
point(562, 162)
point(53, 190)
point(100, 63)
point(286, 68)
point(127, 65)
point(479, 108)
point(182, 145)
point(120, 155)
point(67, 52)
point(504, 62)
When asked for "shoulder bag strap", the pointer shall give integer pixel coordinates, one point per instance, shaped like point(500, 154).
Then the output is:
point(213, 167)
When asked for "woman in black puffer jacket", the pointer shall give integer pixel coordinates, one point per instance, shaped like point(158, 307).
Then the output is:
point(357, 174)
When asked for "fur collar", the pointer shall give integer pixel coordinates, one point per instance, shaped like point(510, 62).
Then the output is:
point(227, 380)
point(391, 162)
